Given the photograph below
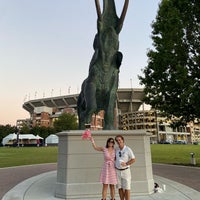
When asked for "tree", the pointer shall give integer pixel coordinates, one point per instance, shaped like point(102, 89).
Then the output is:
point(172, 76)
point(6, 130)
point(42, 131)
point(66, 121)
point(36, 130)
point(25, 129)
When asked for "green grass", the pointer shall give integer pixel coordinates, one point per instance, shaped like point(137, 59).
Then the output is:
point(161, 153)
point(14, 156)
point(175, 154)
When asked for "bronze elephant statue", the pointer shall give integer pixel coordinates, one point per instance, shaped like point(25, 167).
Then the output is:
point(99, 89)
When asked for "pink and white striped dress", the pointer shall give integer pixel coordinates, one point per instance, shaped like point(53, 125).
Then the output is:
point(108, 173)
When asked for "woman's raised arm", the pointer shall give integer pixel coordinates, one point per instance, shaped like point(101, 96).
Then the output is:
point(95, 146)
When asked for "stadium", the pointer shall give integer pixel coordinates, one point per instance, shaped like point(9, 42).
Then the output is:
point(44, 111)
point(129, 115)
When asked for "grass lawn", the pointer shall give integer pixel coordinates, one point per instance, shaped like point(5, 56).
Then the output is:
point(14, 156)
point(161, 153)
point(178, 154)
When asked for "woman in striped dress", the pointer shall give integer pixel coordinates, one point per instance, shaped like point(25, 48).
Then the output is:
point(108, 175)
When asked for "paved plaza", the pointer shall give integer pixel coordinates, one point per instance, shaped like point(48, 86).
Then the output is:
point(38, 182)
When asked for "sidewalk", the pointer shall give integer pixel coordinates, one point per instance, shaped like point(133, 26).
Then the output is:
point(42, 187)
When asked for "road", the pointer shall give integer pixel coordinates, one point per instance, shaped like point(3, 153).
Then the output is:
point(189, 176)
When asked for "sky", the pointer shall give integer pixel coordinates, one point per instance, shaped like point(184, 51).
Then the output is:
point(46, 47)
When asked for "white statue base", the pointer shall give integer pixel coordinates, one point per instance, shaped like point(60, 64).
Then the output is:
point(79, 165)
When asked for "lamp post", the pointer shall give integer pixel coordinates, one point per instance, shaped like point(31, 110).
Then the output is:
point(157, 127)
point(17, 133)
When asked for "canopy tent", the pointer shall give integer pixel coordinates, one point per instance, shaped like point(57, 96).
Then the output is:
point(10, 137)
point(23, 139)
point(51, 139)
point(38, 137)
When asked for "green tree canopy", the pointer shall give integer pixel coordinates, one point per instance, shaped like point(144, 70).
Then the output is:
point(6, 130)
point(25, 129)
point(66, 121)
point(172, 76)
point(42, 131)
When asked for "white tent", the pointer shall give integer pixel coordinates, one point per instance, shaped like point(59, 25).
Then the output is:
point(38, 137)
point(27, 137)
point(8, 138)
point(23, 139)
point(51, 139)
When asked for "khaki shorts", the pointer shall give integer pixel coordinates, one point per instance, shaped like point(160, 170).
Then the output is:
point(124, 179)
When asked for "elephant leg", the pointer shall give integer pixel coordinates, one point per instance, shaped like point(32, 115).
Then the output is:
point(109, 111)
point(81, 110)
point(82, 121)
point(91, 104)
point(109, 119)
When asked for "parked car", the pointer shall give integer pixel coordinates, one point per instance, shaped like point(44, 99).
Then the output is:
point(165, 142)
point(180, 142)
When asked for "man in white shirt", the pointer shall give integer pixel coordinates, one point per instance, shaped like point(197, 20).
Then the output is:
point(124, 158)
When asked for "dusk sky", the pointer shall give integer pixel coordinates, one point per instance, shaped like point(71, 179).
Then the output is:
point(46, 48)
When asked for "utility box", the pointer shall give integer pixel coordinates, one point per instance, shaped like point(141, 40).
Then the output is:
point(192, 159)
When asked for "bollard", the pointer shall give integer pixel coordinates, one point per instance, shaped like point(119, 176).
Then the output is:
point(164, 187)
point(193, 160)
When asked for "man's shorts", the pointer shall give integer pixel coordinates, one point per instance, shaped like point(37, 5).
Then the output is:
point(124, 179)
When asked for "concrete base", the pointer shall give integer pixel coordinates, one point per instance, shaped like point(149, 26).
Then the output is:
point(79, 165)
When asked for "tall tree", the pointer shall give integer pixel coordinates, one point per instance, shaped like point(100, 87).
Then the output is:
point(66, 121)
point(42, 131)
point(25, 129)
point(6, 130)
point(172, 76)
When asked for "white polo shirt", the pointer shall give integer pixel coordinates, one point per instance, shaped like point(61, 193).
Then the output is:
point(123, 155)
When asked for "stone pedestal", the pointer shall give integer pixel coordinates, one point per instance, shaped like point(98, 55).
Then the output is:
point(79, 165)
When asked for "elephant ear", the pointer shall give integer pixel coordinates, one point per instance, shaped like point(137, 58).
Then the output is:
point(119, 59)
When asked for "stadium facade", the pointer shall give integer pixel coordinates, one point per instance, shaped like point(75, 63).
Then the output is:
point(129, 115)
